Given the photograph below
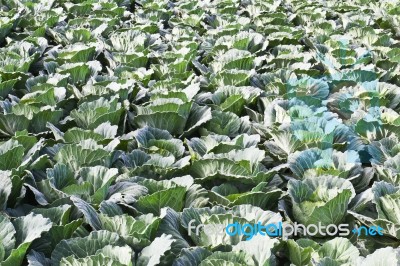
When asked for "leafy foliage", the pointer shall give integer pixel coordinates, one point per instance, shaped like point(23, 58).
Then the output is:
point(122, 121)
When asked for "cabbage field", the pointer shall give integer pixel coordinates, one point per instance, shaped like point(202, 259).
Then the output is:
point(131, 131)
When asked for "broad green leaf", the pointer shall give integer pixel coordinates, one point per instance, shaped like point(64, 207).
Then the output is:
point(83, 247)
point(152, 254)
point(173, 198)
point(299, 255)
